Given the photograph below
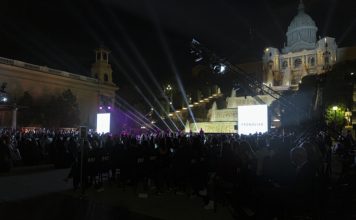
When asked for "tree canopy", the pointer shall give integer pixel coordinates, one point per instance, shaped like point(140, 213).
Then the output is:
point(60, 110)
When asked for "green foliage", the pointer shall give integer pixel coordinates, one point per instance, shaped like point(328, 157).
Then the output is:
point(338, 91)
point(50, 111)
point(70, 114)
point(335, 118)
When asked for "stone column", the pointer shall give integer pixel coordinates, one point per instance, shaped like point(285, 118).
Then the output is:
point(286, 77)
point(14, 118)
point(270, 78)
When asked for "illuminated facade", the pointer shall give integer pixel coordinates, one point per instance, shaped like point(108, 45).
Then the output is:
point(39, 81)
point(225, 120)
point(283, 70)
point(302, 55)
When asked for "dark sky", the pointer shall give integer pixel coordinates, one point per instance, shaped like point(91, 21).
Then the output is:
point(63, 34)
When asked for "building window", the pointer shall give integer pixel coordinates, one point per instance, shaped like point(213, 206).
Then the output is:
point(312, 61)
point(106, 77)
point(326, 58)
point(270, 54)
point(97, 56)
point(104, 56)
point(95, 75)
point(297, 63)
point(270, 65)
point(284, 64)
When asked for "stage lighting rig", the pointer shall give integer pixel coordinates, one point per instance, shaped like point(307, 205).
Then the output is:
point(198, 54)
point(247, 82)
point(218, 68)
point(201, 53)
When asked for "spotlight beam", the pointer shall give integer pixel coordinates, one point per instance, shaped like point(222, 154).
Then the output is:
point(347, 32)
point(122, 70)
point(140, 124)
point(137, 113)
point(330, 13)
point(172, 63)
point(124, 55)
point(147, 101)
point(138, 75)
point(136, 118)
point(145, 66)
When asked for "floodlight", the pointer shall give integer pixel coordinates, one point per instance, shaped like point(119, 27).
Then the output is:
point(219, 68)
point(3, 97)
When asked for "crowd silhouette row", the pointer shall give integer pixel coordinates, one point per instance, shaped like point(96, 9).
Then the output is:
point(265, 175)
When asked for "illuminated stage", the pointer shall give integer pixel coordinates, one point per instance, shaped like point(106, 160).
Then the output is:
point(243, 115)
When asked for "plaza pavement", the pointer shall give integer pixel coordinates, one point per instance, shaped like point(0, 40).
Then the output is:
point(30, 194)
point(40, 193)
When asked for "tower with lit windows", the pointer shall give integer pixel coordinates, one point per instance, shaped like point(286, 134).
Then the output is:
point(101, 69)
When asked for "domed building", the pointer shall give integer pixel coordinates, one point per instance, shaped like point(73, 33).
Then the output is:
point(301, 32)
point(282, 69)
point(303, 54)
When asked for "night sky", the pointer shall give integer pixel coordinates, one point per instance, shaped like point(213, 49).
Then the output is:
point(63, 34)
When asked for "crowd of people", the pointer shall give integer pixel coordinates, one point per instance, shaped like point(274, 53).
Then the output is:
point(30, 147)
point(269, 175)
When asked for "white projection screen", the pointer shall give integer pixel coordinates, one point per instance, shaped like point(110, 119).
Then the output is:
point(103, 123)
point(252, 119)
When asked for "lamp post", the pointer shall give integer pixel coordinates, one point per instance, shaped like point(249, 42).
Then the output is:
point(168, 90)
point(335, 108)
point(4, 97)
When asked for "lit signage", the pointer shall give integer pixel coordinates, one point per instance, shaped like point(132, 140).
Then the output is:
point(252, 119)
point(103, 123)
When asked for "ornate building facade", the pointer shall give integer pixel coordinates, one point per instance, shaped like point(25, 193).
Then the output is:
point(91, 92)
point(282, 69)
point(302, 55)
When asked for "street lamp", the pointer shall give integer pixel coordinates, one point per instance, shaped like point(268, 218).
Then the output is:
point(4, 97)
point(168, 92)
point(335, 108)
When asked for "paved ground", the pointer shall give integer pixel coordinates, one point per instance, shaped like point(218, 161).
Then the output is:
point(59, 206)
point(23, 186)
point(44, 195)
point(166, 206)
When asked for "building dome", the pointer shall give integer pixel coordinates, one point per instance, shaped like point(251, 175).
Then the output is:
point(302, 20)
point(301, 32)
